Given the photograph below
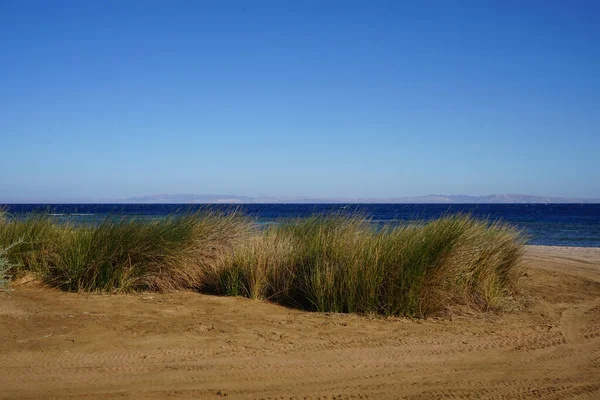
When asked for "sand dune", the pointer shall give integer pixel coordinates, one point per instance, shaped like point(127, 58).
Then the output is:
point(191, 345)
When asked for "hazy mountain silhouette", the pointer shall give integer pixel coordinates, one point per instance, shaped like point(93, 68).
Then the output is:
point(433, 198)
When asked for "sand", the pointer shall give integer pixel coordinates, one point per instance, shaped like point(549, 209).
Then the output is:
point(146, 345)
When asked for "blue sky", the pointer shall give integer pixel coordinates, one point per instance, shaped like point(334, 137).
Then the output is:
point(111, 99)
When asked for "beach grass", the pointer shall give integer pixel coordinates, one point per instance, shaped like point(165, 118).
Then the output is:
point(341, 263)
point(30, 242)
point(5, 266)
point(333, 263)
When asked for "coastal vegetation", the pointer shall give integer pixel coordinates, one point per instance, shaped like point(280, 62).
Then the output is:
point(4, 267)
point(337, 263)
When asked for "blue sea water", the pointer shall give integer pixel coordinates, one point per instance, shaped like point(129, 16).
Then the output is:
point(546, 224)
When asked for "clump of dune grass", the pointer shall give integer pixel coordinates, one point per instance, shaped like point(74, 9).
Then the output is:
point(4, 268)
point(5, 265)
point(30, 242)
point(481, 270)
point(341, 263)
point(261, 267)
point(123, 254)
point(338, 263)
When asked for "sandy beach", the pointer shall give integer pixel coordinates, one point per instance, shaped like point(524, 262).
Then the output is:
point(148, 345)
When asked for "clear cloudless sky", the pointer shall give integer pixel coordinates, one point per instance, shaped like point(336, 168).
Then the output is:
point(110, 99)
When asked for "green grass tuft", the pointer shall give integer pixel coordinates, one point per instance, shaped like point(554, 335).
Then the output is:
point(31, 241)
point(338, 263)
point(5, 266)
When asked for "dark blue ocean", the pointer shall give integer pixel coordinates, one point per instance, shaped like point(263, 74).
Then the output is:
point(546, 224)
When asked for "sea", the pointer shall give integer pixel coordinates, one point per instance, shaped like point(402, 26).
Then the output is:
point(545, 224)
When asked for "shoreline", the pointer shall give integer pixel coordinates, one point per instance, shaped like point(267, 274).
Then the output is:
point(562, 247)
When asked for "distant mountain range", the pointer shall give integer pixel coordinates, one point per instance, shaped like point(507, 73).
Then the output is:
point(190, 198)
point(433, 198)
